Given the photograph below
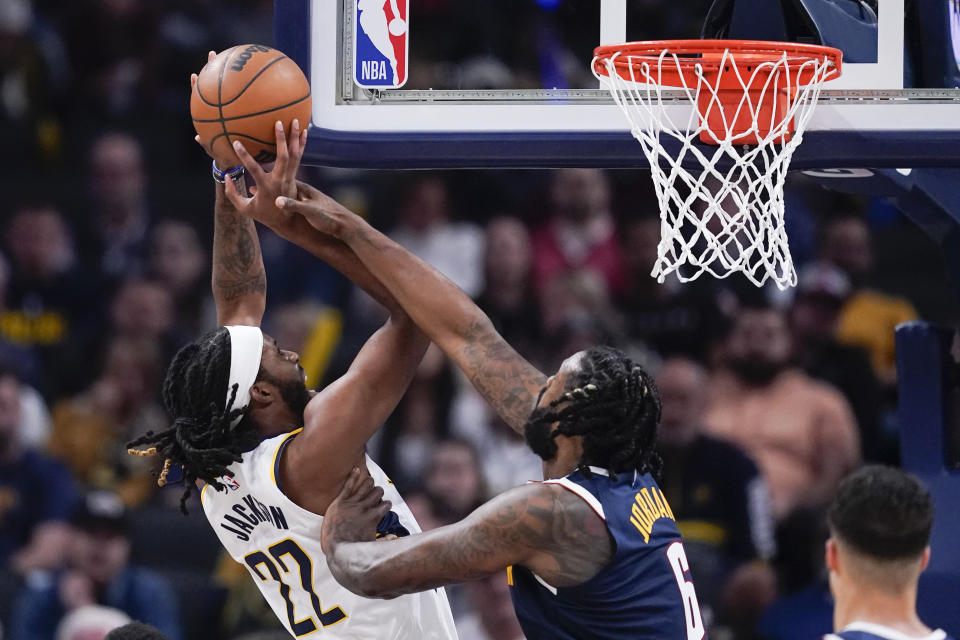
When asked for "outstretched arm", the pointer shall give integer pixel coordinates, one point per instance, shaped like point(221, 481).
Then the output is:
point(540, 526)
point(339, 420)
point(445, 313)
point(239, 279)
point(294, 228)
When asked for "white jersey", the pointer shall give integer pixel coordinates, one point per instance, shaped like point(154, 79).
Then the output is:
point(279, 543)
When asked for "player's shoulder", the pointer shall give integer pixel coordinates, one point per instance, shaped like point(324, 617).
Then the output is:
point(256, 465)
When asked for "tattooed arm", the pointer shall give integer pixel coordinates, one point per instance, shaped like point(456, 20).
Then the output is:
point(239, 279)
point(543, 527)
point(445, 313)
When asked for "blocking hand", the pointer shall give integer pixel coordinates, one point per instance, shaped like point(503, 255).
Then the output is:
point(354, 515)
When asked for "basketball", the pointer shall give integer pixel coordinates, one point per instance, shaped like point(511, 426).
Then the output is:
point(241, 93)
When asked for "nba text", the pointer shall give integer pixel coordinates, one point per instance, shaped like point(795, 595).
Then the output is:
point(372, 70)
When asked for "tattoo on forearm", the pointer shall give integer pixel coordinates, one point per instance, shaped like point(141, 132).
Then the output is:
point(505, 379)
point(237, 268)
point(231, 290)
point(571, 542)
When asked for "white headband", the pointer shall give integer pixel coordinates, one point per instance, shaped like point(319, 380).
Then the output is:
point(246, 348)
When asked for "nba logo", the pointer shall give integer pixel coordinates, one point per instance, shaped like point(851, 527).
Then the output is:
point(380, 43)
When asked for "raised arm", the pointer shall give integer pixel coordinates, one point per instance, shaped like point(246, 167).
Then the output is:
point(239, 279)
point(445, 313)
point(294, 228)
point(339, 420)
point(540, 526)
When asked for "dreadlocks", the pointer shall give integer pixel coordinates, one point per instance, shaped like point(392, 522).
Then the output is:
point(614, 404)
point(201, 440)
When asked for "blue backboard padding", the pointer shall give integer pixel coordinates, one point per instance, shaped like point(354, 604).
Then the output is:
point(433, 150)
point(930, 197)
point(291, 30)
point(848, 26)
point(923, 352)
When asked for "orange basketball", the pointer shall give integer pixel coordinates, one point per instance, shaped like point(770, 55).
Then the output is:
point(241, 93)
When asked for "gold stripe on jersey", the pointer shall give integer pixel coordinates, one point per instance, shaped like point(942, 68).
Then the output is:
point(273, 465)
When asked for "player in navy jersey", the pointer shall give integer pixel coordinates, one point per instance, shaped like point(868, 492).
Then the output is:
point(591, 552)
point(880, 523)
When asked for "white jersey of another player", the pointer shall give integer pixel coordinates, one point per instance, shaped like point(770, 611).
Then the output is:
point(279, 543)
point(870, 631)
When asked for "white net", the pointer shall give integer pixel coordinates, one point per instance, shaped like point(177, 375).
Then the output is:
point(721, 204)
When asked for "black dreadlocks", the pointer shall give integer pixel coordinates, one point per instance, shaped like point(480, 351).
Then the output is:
point(201, 439)
point(614, 404)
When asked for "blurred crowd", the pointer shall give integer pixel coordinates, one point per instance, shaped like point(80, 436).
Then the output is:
point(769, 397)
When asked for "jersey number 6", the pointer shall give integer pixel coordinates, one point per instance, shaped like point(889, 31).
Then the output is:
point(691, 610)
point(290, 548)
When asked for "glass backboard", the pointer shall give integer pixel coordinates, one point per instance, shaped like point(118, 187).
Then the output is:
point(508, 82)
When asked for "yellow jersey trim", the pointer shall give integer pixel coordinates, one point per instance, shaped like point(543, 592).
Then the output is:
point(510, 575)
point(273, 465)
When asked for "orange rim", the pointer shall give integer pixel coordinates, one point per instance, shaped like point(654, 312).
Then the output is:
point(707, 54)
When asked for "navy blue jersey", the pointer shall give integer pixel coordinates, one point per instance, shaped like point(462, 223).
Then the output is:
point(645, 592)
point(868, 631)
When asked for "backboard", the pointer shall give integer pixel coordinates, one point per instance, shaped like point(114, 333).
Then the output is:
point(508, 83)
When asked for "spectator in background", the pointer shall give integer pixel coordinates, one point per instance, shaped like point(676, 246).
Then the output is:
point(453, 480)
point(97, 573)
point(28, 119)
point(108, 42)
point(507, 296)
point(91, 429)
point(419, 422)
point(719, 498)
point(91, 622)
point(143, 310)
point(453, 485)
point(869, 316)
point(119, 221)
point(671, 317)
point(800, 432)
point(136, 631)
point(576, 313)
point(425, 228)
point(581, 231)
point(34, 427)
point(179, 262)
point(507, 460)
point(493, 617)
point(51, 306)
point(28, 365)
point(37, 494)
point(821, 293)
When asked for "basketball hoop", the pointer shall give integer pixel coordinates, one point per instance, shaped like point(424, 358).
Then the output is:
point(721, 202)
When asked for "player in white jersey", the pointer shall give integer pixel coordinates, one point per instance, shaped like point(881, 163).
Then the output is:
point(270, 456)
point(880, 523)
point(278, 542)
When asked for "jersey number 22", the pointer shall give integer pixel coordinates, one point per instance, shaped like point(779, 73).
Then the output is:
point(292, 550)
